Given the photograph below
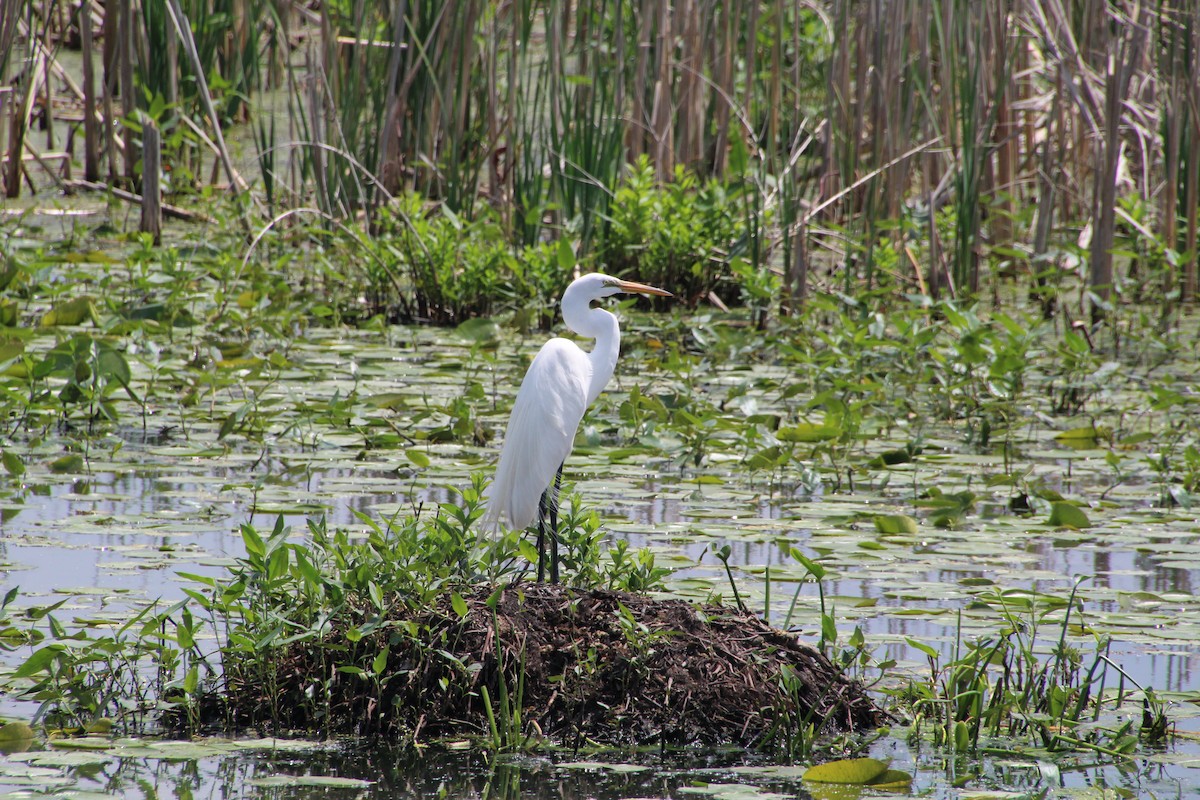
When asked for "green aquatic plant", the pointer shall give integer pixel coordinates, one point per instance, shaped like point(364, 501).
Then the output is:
point(1018, 683)
point(683, 233)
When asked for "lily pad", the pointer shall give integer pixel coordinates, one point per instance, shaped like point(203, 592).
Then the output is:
point(601, 766)
point(70, 312)
point(323, 781)
point(733, 791)
point(1068, 515)
point(16, 737)
point(859, 772)
point(895, 523)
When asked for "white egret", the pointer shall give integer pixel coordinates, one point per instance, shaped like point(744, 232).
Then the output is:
point(561, 383)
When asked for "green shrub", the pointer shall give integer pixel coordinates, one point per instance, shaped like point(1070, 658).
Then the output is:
point(681, 236)
point(447, 267)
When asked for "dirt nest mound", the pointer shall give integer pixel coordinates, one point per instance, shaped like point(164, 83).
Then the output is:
point(590, 665)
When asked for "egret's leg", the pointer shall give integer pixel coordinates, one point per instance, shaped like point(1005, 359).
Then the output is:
point(541, 537)
point(554, 526)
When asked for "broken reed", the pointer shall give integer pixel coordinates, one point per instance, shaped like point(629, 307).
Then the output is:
point(1000, 128)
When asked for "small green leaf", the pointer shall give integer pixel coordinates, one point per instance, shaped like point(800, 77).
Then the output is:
point(183, 635)
point(565, 255)
point(962, 736)
point(458, 604)
point(1087, 433)
point(16, 737)
point(808, 433)
point(231, 422)
point(72, 462)
point(924, 648)
point(11, 350)
point(71, 312)
point(417, 457)
point(112, 364)
point(528, 551)
point(891, 458)
point(814, 569)
point(379, 664)
point(254, 543)
point(191, 681)
point(12, 463)
point(828, 628)
point(40, 660)
point(376, 594)
point(277, 564)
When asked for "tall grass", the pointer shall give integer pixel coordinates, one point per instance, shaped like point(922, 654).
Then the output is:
point(952, 117)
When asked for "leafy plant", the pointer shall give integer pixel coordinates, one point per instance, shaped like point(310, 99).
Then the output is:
point(683, 235)
point(1003, 685)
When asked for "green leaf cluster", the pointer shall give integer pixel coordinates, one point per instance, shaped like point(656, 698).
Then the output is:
point(682, 234)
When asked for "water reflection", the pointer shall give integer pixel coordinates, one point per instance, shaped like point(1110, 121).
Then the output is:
point(375, 772)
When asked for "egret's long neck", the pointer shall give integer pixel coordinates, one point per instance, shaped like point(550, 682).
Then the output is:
point(598, 324)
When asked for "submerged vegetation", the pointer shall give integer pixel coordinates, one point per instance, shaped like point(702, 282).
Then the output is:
point(936, 263)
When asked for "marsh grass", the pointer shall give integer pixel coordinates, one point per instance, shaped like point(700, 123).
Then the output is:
point(419, 631)
point(1025, 684)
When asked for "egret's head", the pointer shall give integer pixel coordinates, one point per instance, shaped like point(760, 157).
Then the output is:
point(597, 284)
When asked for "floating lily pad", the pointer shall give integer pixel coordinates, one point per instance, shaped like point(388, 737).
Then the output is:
point(1068, 515)
point(895, 523)
point(858, 771)
point(602, 766)
point(733, 791)
point(321, 781)
point(16, 737)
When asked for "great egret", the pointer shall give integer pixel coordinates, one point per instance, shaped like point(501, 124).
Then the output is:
point(561, 383)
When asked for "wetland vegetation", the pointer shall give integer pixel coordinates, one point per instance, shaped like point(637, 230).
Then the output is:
point(926, 400)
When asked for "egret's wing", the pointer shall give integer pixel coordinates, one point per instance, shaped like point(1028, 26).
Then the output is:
point(545, 416)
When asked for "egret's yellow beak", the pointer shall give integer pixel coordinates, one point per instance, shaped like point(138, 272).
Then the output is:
point(641, 288)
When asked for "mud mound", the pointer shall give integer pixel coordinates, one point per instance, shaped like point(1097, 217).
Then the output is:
point(595, 665)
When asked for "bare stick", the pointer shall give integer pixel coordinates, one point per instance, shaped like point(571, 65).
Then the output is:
point(168, 210)
point(151, 195)
point(91, 134)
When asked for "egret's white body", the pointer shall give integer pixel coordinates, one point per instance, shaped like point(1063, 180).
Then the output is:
point(561, 383)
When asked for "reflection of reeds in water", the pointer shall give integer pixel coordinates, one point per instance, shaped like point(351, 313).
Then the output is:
point(990, 125)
